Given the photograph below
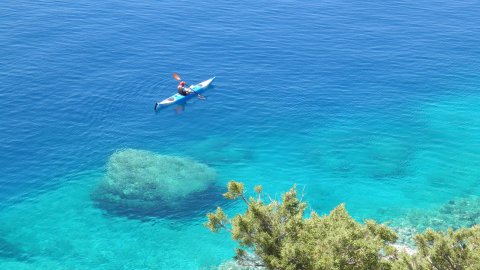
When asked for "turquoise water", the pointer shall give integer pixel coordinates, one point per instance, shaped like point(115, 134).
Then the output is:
point(374, 104)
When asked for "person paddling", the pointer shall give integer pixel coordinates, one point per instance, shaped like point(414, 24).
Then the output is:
point(185, 91)
point(182, 90)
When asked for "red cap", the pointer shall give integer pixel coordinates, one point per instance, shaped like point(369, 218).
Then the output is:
point(182, 83)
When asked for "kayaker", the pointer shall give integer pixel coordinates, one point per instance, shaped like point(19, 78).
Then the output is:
point(182, 90)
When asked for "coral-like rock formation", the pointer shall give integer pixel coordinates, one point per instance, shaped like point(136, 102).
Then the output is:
point(138, 180)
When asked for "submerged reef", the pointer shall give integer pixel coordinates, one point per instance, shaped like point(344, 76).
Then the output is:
point(367, 156)
point(216, 150)
point(456, 213)
point(11, 251)
point(140, 182)
point(234, 265)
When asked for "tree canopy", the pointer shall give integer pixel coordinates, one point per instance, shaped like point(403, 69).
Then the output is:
point(281, 235)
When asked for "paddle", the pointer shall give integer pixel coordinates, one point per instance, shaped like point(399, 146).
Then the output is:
point(177, 77)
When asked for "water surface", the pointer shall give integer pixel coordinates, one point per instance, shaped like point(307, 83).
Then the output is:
point(374, 104)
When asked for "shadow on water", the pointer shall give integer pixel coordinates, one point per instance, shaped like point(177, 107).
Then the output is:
point(196, 205)
point(11, 251)
point(177, 108)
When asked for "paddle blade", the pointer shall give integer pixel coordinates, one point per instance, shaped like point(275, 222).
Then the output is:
point(177, 77)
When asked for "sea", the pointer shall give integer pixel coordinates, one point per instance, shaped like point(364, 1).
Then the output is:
point(374, 104)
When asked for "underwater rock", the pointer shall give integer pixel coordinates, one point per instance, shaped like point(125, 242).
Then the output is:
point(233, 265)
point(448, 149)
point(373, 157)
point(251, 262)
point(387, 157)
point(142, 181)
point(219, 150)
point(11, 251)
point(404, 248)
point(455, 214)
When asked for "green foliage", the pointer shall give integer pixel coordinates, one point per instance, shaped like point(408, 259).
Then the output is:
point(217, 220)
point(343, 243)
point(235, 190)
point(282, 238)
point(452, 250)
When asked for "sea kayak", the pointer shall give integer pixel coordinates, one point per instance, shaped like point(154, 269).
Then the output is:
point(177, 98)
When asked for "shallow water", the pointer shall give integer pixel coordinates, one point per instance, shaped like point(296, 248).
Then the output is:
point(374, 104)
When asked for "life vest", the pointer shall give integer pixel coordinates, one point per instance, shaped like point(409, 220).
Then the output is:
point(181, 90)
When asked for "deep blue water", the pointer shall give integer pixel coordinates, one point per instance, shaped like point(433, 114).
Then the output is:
point(372, 103)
